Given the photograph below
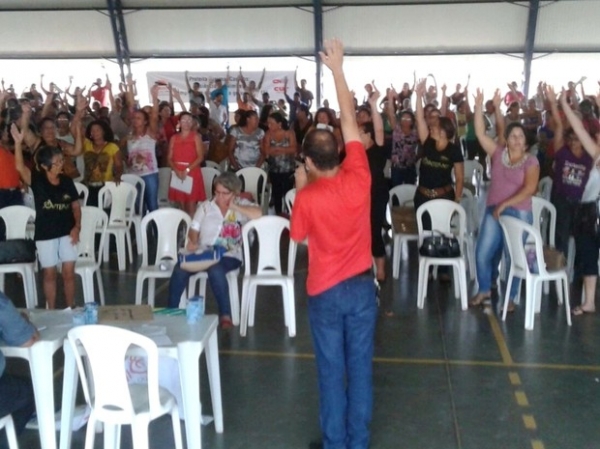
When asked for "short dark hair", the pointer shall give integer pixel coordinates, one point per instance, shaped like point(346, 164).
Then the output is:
point(321, 147)
point(512, 126)
point(448, 127)
point(244, 116)
point(44, 155)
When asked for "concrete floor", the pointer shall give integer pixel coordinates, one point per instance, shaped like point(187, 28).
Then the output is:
point(444, 378)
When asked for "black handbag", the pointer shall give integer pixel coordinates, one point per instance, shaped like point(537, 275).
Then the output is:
point(17, 251)
point(440, 245)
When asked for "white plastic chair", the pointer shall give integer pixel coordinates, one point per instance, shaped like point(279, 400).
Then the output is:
point(469, 204)
point(82, 189)
point(8, 424)
point(138, 213)
point(15, 219)
point(402, 195)
point(290, 197)
point(442, 213)
point(473, 175)
point(545, 188)
point(123, 201)
point(164, 180)
point(213, 164)
point(268, 272)
point(167, 222)
point(234, 297)
point(113, 401)
point(514, 230)
point(252, 177)
point(224, 165)
point(208, 176)
point(93, 221)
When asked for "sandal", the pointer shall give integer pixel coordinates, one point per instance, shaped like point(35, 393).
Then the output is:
point(225, 322)
point(479, 299)
point(509, 309)
point(577, 311)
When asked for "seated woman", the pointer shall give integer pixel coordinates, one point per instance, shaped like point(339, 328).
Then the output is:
point(515, 175)
point(217, 223)
point(586, 239)
point(58, 216)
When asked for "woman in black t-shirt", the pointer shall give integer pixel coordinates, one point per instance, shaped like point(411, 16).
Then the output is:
point(58, 216)
point(439, 155)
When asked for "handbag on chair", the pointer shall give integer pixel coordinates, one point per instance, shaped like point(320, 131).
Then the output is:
point(17, 251)
point(440, 245)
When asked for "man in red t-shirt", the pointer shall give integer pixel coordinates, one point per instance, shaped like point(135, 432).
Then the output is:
point(332, 210)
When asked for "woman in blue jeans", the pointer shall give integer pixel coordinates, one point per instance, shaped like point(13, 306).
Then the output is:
point(515, 175)
point(217, 223)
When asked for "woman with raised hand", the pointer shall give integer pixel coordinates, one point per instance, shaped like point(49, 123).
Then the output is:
point(586, 240)
point(280, 148)
point(58, 216)
point(439, 155)
point(515, 175)
point(371, 136)
point(186, 153)
point(404, 143)
point(141, 149)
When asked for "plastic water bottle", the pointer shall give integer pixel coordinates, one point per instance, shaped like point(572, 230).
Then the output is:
point(195, 309)
point(91, 312)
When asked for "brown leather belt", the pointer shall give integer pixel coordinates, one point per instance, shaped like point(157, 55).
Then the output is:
point(435, 193)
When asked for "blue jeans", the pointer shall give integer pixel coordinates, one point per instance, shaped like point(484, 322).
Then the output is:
point(16, 397)
point(406, 175)
point(151, 192)
point(342, 322)
point(216, 278)
point(490, 245)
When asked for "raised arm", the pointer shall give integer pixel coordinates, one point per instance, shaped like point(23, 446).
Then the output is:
point(297, 86)
point(241, 78)
point(375, 115)
point(333, 57)
point(390, 108)
point(444, 106)
point(500, 123)
point(487, 143)
point(422, 128)
point(47, 92)
point(31, 140)
point(24, 172)
point(558, 125)
point(262, 78)
point(153, 124)
point(187, 80)
point(592, 147)
point(177, 96)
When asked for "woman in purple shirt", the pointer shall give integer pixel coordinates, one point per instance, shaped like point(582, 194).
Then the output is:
point(515, 175)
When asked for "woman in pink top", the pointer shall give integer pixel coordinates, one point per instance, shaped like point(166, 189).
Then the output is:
point(515, 175)
point(186, 153)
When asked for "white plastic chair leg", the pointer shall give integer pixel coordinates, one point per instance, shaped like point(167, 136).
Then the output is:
point(100, 287)
point(139, 289)
point(397, 255)
point(151, 291)
point(234, 297)
point(9, 425)
point(175, 420)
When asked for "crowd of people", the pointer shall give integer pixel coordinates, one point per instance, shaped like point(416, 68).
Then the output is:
point(337, 164)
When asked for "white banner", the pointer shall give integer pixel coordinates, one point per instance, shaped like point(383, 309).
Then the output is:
point(272, 83)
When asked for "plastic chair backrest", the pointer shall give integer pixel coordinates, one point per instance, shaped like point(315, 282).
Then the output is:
point(544, 210)
point(15, 219)
point(545, 187)
point(123, 198)
point(213, 164)
point(140, 186)
point(82, 188)
point(402, 195)
point(443, 213)
point(167, 221)
point(515, 233)
point(164, 179)
point(252, 177)
point(93, 219)
point(208, 176)
point(268, 229)
point(289, 199)
point(105, 385)
point(473, 168)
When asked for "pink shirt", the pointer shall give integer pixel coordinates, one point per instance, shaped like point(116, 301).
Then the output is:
point(508, 180)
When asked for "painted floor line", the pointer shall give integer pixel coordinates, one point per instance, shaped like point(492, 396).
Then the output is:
point(529, 422)
point(521, 398)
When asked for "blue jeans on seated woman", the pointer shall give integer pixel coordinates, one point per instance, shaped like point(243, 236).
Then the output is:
point(216, 278)
point(151, 192)
point(490, 244)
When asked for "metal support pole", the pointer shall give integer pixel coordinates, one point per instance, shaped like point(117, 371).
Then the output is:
point(318, 26)
point(534, 7)
point(115, 9)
